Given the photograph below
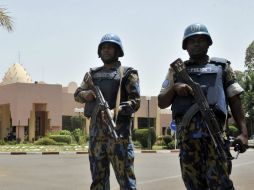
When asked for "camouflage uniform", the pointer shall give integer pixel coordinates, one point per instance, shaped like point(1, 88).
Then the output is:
point(201, 167)
point(102, 149)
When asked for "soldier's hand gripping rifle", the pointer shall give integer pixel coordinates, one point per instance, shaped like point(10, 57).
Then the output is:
point(208, 115)
point(101, 105)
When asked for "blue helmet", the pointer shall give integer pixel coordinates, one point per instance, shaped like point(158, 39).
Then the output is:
point(112, 38)
point(196, 29)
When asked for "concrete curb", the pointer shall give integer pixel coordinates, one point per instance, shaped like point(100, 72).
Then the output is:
point(148, 151)
point(174, 151)
point(78, 152)
point(42, 153)
point(158, 151)
point(17, 153)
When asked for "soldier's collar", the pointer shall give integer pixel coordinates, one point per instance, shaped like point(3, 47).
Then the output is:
point(115, 66)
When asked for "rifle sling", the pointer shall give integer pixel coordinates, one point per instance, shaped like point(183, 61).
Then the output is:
point(120, 70)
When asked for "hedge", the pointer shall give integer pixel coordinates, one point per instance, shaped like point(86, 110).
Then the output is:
point(45, 141)
point(61, 138)
point(141, 135)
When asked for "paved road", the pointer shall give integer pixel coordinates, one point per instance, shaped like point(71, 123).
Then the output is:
point(158, 171)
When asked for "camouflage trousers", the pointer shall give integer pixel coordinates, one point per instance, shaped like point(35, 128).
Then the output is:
point(201, 167)
point(120, 155)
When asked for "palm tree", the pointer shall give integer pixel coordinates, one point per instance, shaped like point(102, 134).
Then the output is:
point(5, 20)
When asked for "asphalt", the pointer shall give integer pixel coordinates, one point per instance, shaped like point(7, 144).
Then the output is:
point(160, 171)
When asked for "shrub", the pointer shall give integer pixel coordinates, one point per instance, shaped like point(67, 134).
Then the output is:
point(134, 135)
point(159, 141)
point(60, 132)
point(2, 142)
point(164, 140)
point(64, 132)
point(137, 144)
point(79, 136)
point(167, 139)
point(12, 142)
point(141, 135)
point(171, 145)
point(61, 138)
point(233, 131)
point(45, 141)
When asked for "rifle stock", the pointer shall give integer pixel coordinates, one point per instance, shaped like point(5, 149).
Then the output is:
point(208, 115)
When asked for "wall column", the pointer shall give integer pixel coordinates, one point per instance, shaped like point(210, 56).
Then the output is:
point(20, 132)
point(158, 122)
point(32, 125)
point(87, 125)
point(135, 123)
point(5, 120)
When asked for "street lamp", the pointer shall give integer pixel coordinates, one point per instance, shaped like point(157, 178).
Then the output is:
point(149, 144)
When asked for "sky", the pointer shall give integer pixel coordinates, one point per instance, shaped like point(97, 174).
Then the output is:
point(56, 40)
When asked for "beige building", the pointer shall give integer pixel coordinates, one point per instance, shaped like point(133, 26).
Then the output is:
point(29, 110)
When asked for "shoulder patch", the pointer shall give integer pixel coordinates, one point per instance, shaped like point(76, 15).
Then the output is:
point(165, 84)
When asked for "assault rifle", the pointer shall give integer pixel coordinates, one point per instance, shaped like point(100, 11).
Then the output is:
point(101, 105)
point(208, 115)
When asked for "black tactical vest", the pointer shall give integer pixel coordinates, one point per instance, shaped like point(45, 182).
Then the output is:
point(210, 76)
point(108, 81)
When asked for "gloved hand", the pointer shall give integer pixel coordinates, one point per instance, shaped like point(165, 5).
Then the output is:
point(239, 146)
point(125, 109)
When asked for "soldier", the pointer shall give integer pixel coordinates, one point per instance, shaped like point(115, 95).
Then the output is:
point(201, 166)
point(114, 81)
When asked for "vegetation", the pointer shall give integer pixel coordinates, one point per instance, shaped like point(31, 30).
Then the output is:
point(64, 139)
point(233, 131)
point(246, 80)
point(73, 122)
point(249, 87)
point(171, 145)
point(141, 135)
point(249, 57)
point(45, 141)
point(79, 136)
point(165, 142)
point(5, 20)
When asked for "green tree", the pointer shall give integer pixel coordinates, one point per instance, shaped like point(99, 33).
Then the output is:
point(248, 85)
point(240, 77)
point(5, 20)
point(249, 58)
